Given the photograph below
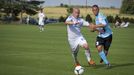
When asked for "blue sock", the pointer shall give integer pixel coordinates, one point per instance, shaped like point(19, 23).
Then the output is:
point(103, 56)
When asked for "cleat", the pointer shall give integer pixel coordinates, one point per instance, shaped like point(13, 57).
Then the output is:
point(108, 66)
point(91, 62)
point(101, 61)
point(77, 64)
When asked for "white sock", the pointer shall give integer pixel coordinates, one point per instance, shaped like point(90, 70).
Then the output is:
point(42, 29)
point(87, 53)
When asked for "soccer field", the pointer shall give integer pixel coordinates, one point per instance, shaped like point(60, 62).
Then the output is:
point(26, 51)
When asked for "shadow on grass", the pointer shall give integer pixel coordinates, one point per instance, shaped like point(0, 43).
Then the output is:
point(113, 65)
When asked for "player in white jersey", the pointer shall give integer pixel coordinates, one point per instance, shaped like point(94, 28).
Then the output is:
point(41, 17)
point(75, 38)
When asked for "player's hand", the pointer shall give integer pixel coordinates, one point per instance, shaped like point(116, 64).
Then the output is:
point(75, 23)
point(92, 27)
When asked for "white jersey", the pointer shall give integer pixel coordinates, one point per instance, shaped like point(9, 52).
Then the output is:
point(41, 17)
point(75, 37)
point(74, 31)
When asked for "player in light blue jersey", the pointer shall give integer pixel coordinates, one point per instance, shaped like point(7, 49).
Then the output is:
point(104, 37)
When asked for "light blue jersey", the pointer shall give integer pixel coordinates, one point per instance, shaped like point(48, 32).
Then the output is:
point(106, 31)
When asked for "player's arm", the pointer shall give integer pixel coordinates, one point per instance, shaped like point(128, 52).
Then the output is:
point(102, 24)
point(71, 23)
point(99, 26)
point(92, 28)
point(89, 25)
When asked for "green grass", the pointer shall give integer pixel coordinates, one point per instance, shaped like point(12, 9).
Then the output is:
point(26, 51)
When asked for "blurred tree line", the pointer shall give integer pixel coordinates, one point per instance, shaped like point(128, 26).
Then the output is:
point(127, 7)
point(113, 19)
point(110, 18)
point(13, 8)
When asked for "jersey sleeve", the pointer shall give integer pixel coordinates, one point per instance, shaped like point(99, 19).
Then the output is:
point(44, 15)
point(69, 19)
point(102, 19)
point(85, 23)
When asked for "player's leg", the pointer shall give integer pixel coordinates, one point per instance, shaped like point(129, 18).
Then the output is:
point(107, 44)
point(83, 43)
point(39, 25)
point(74, 49)
point(42, 27)
point(100, 47)
point(88, 54)
point(102, 54)
point(74, 54)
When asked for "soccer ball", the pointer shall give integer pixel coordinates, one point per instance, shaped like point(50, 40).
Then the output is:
point(79, 70)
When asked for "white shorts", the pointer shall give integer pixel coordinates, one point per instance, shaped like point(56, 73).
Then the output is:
point(41, 22)
point(74, 43)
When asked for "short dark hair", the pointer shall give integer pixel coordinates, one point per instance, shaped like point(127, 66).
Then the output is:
point(95, 6)
point(41, 9)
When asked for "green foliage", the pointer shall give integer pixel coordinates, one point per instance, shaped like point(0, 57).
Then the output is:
point(63, 5)
point(66, 6)
point(17, 6)
point(61, 19)
point(110, 19)
point(127, 7)
point(88, 18)
point(126, 19)
point(69, 10)
point(117, 18)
